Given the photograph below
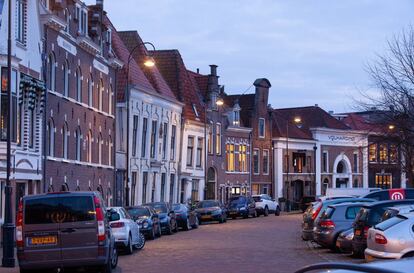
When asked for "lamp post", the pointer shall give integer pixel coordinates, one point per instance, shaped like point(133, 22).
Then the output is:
point(8, 226)
point(296, 120)
point(148, 62)
point(218, 102)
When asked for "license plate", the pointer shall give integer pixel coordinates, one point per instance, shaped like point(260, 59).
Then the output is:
point(44, 240)
point(369, 258)
point(205, 217)
point(357, 232)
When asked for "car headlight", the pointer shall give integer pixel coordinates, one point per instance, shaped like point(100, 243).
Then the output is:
point(145, 225)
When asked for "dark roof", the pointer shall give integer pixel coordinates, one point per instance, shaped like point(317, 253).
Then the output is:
point(181, 82)
point(246, 103)
point(201, 81)
point(132, 39)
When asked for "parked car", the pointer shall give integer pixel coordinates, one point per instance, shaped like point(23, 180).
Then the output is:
point(394, 211)
point(305, 201)
point(186, 217)
point(166, 215)
point(400, 266)
point(344, 241)
point(265, 205)
point(147, 220)
point(354, 192)
point(369, 216)
point(313, 213)
point(125, 230)
point(64, 230)
point(210, 210)
point(241, 206)
point(391, 239)
point(391, 194)
point(334, 220)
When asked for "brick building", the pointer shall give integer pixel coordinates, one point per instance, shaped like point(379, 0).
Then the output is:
point(80, 71)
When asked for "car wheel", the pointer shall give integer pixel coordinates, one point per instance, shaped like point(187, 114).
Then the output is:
point(196, 223)
point(114, 258)
point(141, 243)
point(176, 227)
point(159, 231)
point(277, 212)
point(266, 212)
point(129, 248)
point(107, 268)
point(153, 234)
point(170, 229)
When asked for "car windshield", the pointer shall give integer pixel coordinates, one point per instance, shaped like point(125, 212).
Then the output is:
point(139, 212)
point(207, 204)
point(159, 208)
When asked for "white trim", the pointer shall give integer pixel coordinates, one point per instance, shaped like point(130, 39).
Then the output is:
point(83, 163)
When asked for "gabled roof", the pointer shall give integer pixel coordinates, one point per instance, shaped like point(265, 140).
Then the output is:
point(181, 82)
point(131, 40)
point(136, 76)
point(201, 81)
point(358, 121)
point(246, 103)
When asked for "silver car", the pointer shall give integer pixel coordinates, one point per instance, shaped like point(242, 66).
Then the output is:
point(391, 239)
point(124, 229)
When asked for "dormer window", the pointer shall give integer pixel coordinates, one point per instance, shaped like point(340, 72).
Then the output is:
point(195, 110)
point(236, 117)
point(81, 15)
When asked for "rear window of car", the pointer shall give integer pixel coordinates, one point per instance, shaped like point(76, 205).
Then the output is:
point(58, 210)
point(327, 214)
point(352, 212)
point(389, 214)
point(391, 222)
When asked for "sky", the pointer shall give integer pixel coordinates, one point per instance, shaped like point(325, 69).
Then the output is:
point(312, 52)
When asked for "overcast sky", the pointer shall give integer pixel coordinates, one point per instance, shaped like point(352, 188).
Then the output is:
point(313, 52)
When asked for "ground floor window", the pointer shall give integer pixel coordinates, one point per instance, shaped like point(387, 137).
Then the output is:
point(383, 180)
point(172, 181)
point(144, 186)
point(194, 190)
point(163, 175)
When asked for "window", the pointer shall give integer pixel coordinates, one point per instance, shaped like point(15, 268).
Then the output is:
point(15, 120)
point(190, 149)
point(383, 153)
point(133, 187)
point(153, 139)
point(236, 118)
point(230, 157)
point(393, 153)
point(110, 148)
point(66, 79)
point(89, 147)
point(109, 39)
point(210, 139)
point(32, 129)
point(100, 94)
point(373, 153)
point(153, 187)
point(134, 135)
point(51, 140)
point(144, 137)
point(325, 162)
point(67, 20)
point(218, 139)
point(82, 16)
point(172, 182)
point(355, 163)
point(100, 142)
point(261, 127)
point(163, 183)
point(78, 77)
point(194, 190)
point(173, 136)
point(164, 140)
point(78, 138)
point(144, 186)
point(195, 110)
point(52, 72)
point(21, 21)
point(242, 158)
point(383, 180)
point(65, 133)
point(90, 91)
point(110, 106)
point(299, 162)
point(256, 161)
point(199, 156)
point(265, 161)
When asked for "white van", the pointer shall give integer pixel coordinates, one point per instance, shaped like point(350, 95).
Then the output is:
point(349, 192)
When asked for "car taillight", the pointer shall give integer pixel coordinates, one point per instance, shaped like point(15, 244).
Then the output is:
point(366, 232)
point(19, 225)
point(99, 219)
point(380, 239)
point(316, 212)
point(117, 225)
point(327, 224)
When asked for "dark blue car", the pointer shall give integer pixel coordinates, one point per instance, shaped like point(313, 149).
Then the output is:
point(147, 219)
point(166, 215)
point(186, 217)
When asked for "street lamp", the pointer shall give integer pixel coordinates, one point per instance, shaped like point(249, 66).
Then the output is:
point(219, 102)
point(148, 62)
point(296, 120)
point(8, 226)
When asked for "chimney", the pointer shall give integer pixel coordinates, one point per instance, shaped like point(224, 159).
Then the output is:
point(99, 3)
point(331, 112)
point(316, 105)
point(213, 70)
point(198, 70)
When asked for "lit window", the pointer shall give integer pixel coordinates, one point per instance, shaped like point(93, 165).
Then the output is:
point(230, 157)
point(218, 139)
point(242, 158)
point(383, 153)
point(373, 153)
point(393, 153)
point(383, 180)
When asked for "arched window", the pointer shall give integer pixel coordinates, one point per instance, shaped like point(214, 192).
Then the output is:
point(90, 91)
point(78, 85)
point(51, 140)
point(100, 94)
point(50, 188)
point(66, 79)
point(110, 100)
point(65, 187)
point(78, 137)
point(110, 148)
point(52, 72)
point(65, 141)
point(100, 141)
point(89, 147)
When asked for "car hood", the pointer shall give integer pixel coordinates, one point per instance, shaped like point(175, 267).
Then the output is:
point(141, 218)
point(207, 209)
point(162, 215)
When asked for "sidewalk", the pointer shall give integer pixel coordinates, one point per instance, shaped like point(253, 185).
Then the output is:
point(8, 270)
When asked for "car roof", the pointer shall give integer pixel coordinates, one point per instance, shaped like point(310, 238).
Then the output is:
point(348, 204)
point(388, 202)
point(60, 194)
point(343, 200)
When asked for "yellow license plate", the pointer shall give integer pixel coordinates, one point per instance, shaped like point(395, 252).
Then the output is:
point(206, 217)
point(369, 258)
point(357, 232)
point(46, 240)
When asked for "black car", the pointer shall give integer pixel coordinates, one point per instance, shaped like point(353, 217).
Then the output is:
point(367, 217)
point(391, 194)
point(147, 219)
point(241, 206)
point(167, 216)
point(210, 210)
point(186, 217)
